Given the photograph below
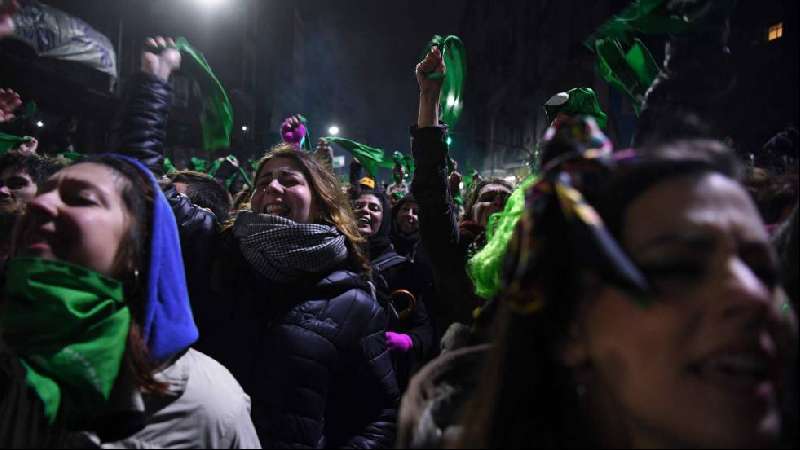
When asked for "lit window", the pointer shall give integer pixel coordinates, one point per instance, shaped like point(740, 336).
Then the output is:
point(775, 32)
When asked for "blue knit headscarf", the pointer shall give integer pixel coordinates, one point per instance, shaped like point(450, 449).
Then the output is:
point(168, 326)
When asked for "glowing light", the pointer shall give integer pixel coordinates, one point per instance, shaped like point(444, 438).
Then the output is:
point(334, 130)
point(40, 124)
point(775, 32)
point(451, 100)
point(245, 128)
point(449, 141)
point(210, 3)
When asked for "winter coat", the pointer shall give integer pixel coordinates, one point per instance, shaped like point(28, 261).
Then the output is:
point(204, 407)
point(442, 237)
point(410, 246)
point(312, 354)
point(394, 273)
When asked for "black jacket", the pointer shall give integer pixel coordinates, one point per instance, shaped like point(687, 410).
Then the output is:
point(441, 236)
point(311, 355)
point(394, 273)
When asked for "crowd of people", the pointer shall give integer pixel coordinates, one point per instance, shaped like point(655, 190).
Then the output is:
point(638, 297)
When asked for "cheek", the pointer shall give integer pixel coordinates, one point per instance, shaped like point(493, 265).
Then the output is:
point(97, 240)
point(300, 200)
point(640, 355)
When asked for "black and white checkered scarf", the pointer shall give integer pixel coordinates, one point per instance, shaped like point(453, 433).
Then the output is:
point(285, 251)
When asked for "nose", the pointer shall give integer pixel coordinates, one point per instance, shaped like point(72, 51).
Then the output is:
point(5, 192)
point(45, 205)
point(275, 186)
point(744, 292)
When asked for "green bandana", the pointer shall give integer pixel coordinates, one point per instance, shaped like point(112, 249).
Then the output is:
point(69, 327)
point(455, 59)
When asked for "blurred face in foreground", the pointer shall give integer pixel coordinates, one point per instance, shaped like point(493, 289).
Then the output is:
point(78, 217)
point(704, 365)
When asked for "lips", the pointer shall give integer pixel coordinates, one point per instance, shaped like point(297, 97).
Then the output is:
point(364, 221)
point(740, 371)
point(36, 244)
point(276, 210)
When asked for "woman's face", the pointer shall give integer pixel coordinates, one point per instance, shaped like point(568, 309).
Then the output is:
point(408, 218)
point(703, 366)
point(491, 200)
point(282, 190)
point(369, 213)
point(78, 217)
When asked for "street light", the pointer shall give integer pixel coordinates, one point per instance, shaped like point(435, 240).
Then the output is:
point(245, 128)
point(40, 124)
point(210, 3)
point(334, 130)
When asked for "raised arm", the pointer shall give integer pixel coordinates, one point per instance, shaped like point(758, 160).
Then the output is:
point(148, 97)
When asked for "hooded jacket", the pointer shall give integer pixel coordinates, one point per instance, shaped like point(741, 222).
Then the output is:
point(311, 354)
point(393, 272)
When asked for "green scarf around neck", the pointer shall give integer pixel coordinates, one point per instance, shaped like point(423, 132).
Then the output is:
point(69, 327)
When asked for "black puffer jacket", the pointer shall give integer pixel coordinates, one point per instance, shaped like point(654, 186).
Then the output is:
point(312, 355)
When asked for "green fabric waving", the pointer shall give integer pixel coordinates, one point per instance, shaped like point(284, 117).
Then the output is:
point(406, 162)
point(622, 59)
point(628, 66)
point(455, 60)
point(217, 116)
point(69, 326)
point(371, 158)
point(10, 142)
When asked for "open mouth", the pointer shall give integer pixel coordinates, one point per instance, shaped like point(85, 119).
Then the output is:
point(364, 221)
point(276, 210)
point(739, 372)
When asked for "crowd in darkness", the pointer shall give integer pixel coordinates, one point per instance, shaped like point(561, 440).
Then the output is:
point(617, 297)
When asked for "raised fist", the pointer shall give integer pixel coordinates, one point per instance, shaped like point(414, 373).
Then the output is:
point(160, 57)
point(430, 72)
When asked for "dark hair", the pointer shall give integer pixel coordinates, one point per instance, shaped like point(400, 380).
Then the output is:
point(475, 193)
point(39, 168)
point(527, 396)
point(332, 204)
point(205, 191)
point(132, 264)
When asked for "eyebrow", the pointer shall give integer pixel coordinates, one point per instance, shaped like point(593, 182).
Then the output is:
point(75, 183)
point(281, 172)
point(695, 240)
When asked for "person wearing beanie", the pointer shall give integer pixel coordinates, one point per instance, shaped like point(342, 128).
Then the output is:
point(96, 310)
point(410, 333)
